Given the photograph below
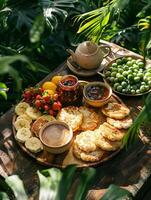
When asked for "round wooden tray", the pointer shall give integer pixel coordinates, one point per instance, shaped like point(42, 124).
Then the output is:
point(109, 65)
point(67, 158)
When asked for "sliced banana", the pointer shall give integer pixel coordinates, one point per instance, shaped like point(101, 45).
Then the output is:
point(21, 108)
point(23, 134)
point(26, 117)
point(33, 113)
point(21, 123)
point(33, 144)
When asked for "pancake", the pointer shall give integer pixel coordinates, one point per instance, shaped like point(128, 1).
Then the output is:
point(86, 141)
point(90, 119)
point(89, 157)
point(115, 110)
point(120, 123)
point(110, 132)
point(72, 116)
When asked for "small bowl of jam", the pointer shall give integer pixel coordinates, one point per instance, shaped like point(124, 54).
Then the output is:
point(56, 137)
point(69, 90)
point(97, 94)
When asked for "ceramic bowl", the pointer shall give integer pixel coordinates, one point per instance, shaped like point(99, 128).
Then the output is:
point(56, 137)
point(107, 92)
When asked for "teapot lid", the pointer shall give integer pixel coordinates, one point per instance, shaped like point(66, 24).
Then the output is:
point(87, 47)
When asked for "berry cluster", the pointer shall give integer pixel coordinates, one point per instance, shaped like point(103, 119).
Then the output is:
point(42, 100)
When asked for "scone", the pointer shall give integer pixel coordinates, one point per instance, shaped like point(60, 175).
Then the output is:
point(120, 123)
point(107, 145)
point(115, 110)
point(93, 156)
point(86, 141)
point(90, 119)
point(110, 132)
point(72, 116)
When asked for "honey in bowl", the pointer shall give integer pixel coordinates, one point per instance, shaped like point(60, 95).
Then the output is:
point(56, 137)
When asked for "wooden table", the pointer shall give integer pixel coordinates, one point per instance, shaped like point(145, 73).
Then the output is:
point(129, 169)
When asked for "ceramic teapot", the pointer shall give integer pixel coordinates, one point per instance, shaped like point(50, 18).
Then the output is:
point(89, 55)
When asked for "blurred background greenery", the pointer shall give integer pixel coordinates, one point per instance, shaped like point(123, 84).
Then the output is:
point(34, 35)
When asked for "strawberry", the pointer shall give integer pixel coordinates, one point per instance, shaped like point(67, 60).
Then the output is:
point(37, 103)
point(56, 106)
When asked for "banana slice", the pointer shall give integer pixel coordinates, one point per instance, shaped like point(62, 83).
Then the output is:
point(26, 117)
point(23, 134)
point(21, 108)
point(33, 144)
point(21, 123)
point(33, 113)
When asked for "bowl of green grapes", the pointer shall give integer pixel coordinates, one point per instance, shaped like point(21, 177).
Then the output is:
point(128, 76)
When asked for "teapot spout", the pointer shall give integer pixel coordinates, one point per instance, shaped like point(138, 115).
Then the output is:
point(72, 54)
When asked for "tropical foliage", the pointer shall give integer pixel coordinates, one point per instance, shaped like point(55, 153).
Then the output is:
point(55, 185)
point(141, 120)
point(124, 22)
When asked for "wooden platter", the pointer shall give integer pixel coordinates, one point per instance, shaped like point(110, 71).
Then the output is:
point(67, 158)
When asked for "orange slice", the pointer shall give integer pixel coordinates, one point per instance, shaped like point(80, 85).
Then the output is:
point(56, 79)
point(49, 86)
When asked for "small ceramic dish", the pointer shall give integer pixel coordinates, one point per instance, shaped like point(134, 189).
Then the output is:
point(97, 94)
point(56, 137)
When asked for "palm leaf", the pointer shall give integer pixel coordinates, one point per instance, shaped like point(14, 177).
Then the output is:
point(142, 118)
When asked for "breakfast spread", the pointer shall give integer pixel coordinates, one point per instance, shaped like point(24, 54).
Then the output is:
point(47, 120)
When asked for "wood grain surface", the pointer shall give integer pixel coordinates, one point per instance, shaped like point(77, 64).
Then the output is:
point(129, 169)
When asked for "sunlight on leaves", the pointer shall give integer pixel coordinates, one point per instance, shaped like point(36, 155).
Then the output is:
point(37, 29)
point(17, 186)
point(49, 183)
point(3, 196)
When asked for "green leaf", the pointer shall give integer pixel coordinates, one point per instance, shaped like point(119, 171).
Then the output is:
point(17, 186)
point(66, 182)
point(142, 118)
point(3, 85)
point(3, 94)
point(44, 192)
point(37, 29)
point(15, 75)
point(116, 193)
point(49, 183)
point(86, 179)
point(5, 67)
point(3, 196)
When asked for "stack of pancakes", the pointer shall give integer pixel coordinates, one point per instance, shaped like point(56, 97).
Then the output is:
point(95, 139)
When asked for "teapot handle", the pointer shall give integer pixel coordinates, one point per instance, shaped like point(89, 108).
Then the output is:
point(104, 46)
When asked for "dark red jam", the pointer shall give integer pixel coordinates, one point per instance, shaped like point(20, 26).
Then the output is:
point(97, 92)
point(69, 90)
